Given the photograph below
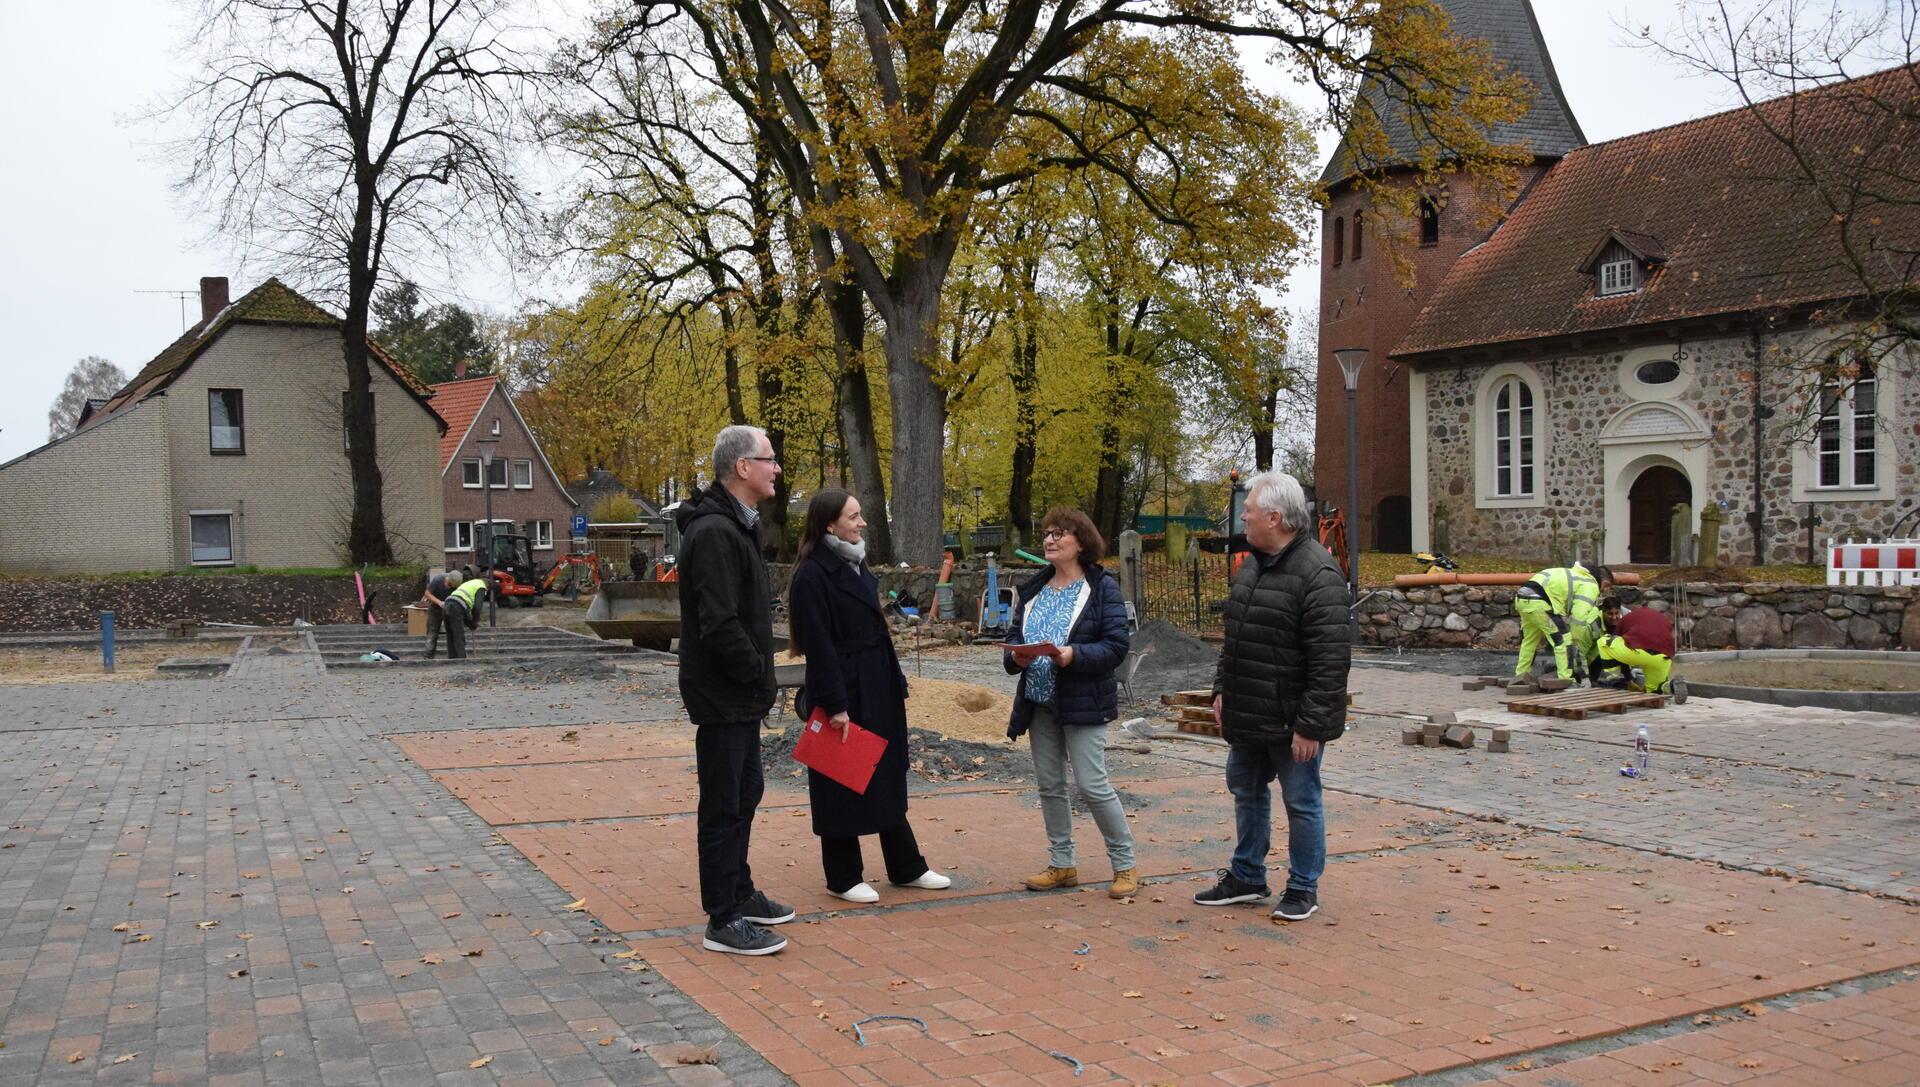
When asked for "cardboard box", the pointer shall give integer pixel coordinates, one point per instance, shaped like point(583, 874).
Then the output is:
point(416, 621)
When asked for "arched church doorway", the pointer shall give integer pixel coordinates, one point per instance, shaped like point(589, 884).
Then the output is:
point(1650, 503)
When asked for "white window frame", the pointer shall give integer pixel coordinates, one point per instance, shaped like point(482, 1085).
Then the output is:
point(1620, 276)
point(1486, 440)
point(543, 535)
point(232, 551)
point(518, 467)
point(462, 529)
point(496, 426)
point(1516, 409)
point(470, 480)
point(1806, 459)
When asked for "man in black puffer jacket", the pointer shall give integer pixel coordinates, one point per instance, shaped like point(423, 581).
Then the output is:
point(1280, 694)
point(726, 681)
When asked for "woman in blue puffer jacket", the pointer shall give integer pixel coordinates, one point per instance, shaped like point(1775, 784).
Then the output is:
point(1067, 700)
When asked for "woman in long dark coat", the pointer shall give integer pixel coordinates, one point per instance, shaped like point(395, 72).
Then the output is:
point(854, 675)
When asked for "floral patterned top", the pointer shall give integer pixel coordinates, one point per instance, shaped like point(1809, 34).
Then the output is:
point(1050, 620)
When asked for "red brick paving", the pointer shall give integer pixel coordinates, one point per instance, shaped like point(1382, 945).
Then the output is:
point(1381, 984)
point(640, 876)
point(1418, 961)
point(545, 744)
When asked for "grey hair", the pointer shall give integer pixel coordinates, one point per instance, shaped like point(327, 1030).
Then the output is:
point(1279, 492)
point(732, 445)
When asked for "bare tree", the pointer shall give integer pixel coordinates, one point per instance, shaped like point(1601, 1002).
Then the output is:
point(339, 137)
point(92, 378)
point(1834, 88)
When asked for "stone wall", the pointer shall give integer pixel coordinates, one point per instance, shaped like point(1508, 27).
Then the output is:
point(1578, 394)
point(75, 603)
point(1710, 616)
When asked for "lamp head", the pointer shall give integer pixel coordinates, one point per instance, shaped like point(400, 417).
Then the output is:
point(1351, 359)
point(487, 446)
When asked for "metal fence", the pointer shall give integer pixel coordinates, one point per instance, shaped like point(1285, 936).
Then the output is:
point(1188, 593)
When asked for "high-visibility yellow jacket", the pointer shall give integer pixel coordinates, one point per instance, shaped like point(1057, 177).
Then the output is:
point(469, 592)
point(1572, 592)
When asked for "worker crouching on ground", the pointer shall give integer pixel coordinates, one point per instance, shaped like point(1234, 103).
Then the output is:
point(1641, 638)
point(1557, 607)
point(463, 614)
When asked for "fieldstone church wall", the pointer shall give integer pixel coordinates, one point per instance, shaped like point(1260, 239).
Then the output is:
point(1707, 616)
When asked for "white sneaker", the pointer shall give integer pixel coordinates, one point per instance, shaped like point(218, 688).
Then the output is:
point(859, 892)
point(930, 880)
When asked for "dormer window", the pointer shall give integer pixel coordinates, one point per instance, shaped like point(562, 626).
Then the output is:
point(1619, 272)
point(1621, 262)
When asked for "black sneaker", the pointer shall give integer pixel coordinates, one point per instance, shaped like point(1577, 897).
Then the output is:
point(1229, 891)
point(762, 910)
point(1297, 905)
point(1677, 687)
point(742, 937)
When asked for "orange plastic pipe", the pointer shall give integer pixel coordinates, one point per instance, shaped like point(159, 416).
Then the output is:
point(946, 570)
point(1414, 581)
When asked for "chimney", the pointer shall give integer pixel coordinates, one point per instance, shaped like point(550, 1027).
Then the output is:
point(213, 297)
point(460, 370)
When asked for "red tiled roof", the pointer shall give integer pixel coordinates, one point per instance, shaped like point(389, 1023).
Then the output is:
point(458, 402)
point(1734, 236)
point(271, 303)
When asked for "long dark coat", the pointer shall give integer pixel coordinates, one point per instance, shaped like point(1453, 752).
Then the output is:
point(851, 666)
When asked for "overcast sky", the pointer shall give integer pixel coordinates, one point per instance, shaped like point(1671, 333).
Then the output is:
point(91, 220)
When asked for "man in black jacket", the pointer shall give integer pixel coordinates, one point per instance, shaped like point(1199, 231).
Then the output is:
point(726, 681)
point(1280, 694)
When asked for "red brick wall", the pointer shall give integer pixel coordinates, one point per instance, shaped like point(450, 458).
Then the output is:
point(1363, 303)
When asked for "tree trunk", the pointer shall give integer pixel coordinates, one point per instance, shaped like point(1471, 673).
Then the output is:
point(860, 446)
point(1025, 374)
point(1263, 428)
point(367, 540)
point(919, 417)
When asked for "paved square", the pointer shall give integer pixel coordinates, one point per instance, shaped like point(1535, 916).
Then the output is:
point(348, 878)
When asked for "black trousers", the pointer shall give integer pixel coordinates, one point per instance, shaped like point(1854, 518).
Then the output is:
point(454, 620)
point(727, 762)
point(436, 617)
point(841, 858)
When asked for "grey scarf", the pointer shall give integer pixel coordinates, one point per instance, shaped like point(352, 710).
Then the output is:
point(853, 553)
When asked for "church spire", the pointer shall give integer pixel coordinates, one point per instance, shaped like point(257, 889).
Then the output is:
point(1512, 35)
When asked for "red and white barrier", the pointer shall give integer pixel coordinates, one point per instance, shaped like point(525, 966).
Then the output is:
point(1881, 562)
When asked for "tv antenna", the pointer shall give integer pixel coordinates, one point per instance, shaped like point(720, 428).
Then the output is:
point(182, 296)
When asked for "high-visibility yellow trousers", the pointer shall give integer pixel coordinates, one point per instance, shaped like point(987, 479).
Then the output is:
point(1537, 626)
point(1656, 667)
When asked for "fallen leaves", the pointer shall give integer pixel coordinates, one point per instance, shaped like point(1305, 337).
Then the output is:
point(481, 1063)
point(576, 905)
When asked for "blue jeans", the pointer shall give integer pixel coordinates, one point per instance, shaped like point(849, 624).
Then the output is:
point(1249, 770)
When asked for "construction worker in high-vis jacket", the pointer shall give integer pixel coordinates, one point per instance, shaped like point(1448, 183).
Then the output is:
point(1561, 606)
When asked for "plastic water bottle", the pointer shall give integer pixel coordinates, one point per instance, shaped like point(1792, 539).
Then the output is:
point(1642, 749)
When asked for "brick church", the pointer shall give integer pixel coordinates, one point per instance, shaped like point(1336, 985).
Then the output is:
point(1615, 346)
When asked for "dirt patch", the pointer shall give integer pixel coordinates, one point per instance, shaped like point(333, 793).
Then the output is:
point(131, 660)
point(527, 676)
point(1807, 675)
point(932, 757)
point(960, 711)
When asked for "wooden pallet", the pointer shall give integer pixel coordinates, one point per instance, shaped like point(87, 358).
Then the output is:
point(1188, 698)
point(1576, 705)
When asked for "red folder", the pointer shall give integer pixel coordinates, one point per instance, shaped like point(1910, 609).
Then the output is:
point(850, 762)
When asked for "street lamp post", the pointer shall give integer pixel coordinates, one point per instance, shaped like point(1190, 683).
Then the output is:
point(1351, 359)
point(976, 509)
point(486, 485)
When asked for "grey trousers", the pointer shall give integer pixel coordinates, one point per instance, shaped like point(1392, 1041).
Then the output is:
point(1085, 747)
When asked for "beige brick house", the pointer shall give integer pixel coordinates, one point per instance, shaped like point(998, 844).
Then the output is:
point(528, 498)
point(226, 450)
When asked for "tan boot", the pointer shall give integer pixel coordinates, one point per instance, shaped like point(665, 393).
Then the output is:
point(1126, 883)
point(1053, 879)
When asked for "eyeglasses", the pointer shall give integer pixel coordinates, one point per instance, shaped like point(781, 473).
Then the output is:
point(1056, 533)
point(768, 460)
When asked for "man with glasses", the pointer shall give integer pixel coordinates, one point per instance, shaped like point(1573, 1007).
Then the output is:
point(1279, 695)
point(726, 681)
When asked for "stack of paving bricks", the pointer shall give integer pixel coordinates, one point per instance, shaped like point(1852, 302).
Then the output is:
point(1518, 685)
point(1445, 730)
point(1193, 712)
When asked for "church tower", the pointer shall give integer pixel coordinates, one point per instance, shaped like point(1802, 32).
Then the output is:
point(1364, 304)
